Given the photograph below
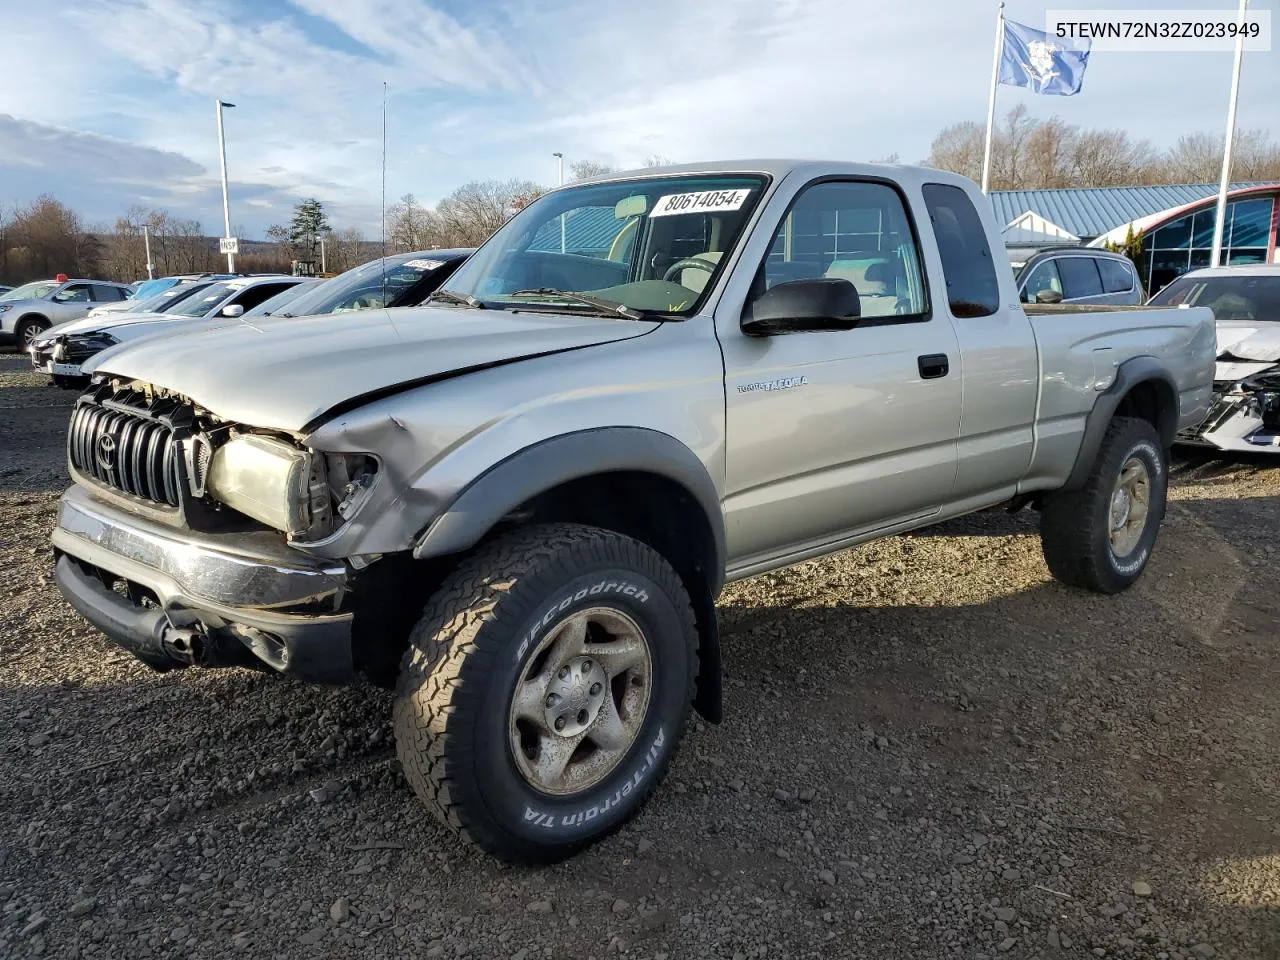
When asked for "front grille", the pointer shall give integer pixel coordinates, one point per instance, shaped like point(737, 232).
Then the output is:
point(124, 442)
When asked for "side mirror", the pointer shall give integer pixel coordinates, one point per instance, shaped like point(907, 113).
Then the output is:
point(233, 310)
point(816, 303)
point(1048, 296)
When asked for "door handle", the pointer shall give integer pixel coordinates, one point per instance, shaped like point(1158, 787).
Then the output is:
point(933, 365)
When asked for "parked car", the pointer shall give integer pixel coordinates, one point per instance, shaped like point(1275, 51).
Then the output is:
point(147, 289)
point(401, 280)
point(32, 308)
point(62, 352)
point(1245, 300)
point(59, 352)
point(1078, 275)
point(4, 289)
point(554, 467)
point(285, 297)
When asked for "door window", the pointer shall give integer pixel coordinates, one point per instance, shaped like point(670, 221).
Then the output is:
point(855, 231)
point(967, 267)
point(73, 293)
point(258, 293)
point(1044, 277)
point(1116, 276)
point(105, 294)
point(1079, 277)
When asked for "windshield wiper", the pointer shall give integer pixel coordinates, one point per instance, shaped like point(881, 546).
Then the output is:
point(449, 296)
point(605, 306)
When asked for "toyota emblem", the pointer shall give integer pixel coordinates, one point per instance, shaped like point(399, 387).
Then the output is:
point(107, 452)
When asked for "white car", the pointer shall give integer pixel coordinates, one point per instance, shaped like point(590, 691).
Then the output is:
point(62, 352)
point(1245, 413)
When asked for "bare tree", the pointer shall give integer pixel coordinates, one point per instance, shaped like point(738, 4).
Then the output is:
point(345, 249)
point(412, 226)
point(585, 169)
point(49, 238)
point(958, 148)
point(473, 211)
point(1195, 158)
point(657, 160)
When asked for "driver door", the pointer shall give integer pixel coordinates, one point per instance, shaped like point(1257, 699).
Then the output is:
point(835, 433)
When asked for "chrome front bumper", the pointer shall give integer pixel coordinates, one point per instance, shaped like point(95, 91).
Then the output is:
point(215, 596)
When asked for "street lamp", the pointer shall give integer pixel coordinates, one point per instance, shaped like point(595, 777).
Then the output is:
point(560, 174)
point(226, 204)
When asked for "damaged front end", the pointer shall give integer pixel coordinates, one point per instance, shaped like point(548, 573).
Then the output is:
point(178, 538)
point(1244, 415)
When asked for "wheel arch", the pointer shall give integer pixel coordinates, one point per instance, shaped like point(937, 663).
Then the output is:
point(28, 317)
point(1143, 388)
point(639, 482)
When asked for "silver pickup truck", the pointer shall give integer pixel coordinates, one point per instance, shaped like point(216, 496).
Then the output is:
point(519, 503)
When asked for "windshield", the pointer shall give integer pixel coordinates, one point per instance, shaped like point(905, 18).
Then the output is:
point(379, 283)
point(1229, 297)
point(161, 302)
point(32, 291)
point(150, 288)
point(203, 302)
point(652, 244)
point(274, 305)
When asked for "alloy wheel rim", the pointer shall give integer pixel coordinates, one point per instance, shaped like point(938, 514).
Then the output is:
point(580, 701)
point(1130, 504)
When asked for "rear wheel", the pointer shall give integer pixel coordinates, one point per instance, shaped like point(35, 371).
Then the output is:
point(546, 688)
point(1100, 537)
point(28, 329)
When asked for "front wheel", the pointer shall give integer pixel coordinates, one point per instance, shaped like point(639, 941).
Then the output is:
point(546, 688)
point(1100, 537)
point(28, 329)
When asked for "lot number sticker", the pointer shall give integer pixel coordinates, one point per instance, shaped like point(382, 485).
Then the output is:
point(700, 202)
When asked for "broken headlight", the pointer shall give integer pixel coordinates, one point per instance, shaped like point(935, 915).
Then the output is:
point(271, 481)
point(351, 477)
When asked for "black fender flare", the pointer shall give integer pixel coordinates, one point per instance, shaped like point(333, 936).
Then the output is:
point(1129, 374)
point(552, 462)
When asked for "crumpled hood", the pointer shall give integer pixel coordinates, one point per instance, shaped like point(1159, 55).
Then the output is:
point(1246, 349)
point(284, 372)
point(1255, 341)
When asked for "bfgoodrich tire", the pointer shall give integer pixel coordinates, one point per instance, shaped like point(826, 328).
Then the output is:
point(546, 689)
point(1101, 536)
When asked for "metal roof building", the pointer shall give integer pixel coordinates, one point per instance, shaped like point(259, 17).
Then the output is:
point(1089, 212)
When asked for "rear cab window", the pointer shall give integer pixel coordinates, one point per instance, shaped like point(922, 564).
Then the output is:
point(973, 289)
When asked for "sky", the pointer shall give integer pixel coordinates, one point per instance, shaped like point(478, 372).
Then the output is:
point(108, 104)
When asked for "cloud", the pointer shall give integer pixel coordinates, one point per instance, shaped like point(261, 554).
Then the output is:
point(27, 143)
point(481, 90)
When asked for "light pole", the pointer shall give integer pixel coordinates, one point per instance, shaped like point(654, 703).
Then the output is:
point(1224, 181)
point(560, 174)
point(226, 203)
point(320, 237)
point(146, 240)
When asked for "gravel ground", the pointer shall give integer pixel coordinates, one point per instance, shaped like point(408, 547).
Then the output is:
point(931, 750)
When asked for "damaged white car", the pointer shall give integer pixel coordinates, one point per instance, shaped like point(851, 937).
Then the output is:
point(1245, 300)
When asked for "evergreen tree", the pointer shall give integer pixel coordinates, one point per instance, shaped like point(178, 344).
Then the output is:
point(309, 221)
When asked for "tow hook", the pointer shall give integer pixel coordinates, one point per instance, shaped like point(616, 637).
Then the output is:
point(186, 645)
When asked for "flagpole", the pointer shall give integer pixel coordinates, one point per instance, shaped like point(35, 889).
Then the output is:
point(1219, 220)
point(991, 100)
